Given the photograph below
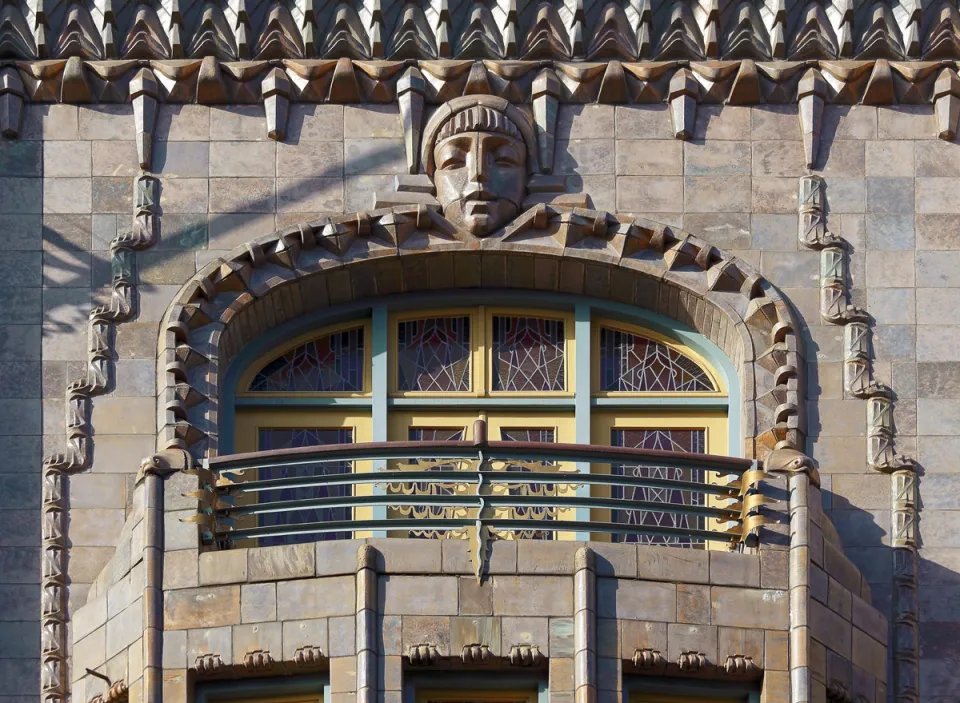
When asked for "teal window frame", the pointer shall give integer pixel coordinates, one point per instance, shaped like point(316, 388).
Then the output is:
point(585, 310)
point(475, 683)
point(241, 689)
point(689, 691)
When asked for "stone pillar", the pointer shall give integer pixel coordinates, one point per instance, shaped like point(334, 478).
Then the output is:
point(153, 588)
point(585, 626)
point(799, 587)
point(366, 624)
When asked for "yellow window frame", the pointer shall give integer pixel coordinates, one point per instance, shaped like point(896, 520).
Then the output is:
point(477, 384)
point(243, 386)
point(481, 359)
point(569, 349)
point(677, 346)
point(249, 422)
point(716, 441)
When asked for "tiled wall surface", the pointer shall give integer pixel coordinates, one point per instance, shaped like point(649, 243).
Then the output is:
point(66, 189)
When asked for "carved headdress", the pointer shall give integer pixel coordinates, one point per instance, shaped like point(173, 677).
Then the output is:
point(478, 113)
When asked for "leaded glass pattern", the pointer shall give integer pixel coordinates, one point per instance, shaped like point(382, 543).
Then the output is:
point(547, 436)
point(631, 363)
point(332, 364)
point(691, 441)
point(433, 355)
point(528, 354)
point(304, 437)
point(424, 434)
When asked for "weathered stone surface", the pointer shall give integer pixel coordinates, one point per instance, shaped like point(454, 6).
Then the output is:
point(201, 607)
point(530, 631)
point(428, 595)
point(532, 595)
point(304, 633)
point(227, 566)
point(281, 562)
point(265, 636)
point(666, 564)
point(746, 607)
point(258, 602)
point(315, 598)
point(693, 604)
point(636, 600)
point(732, 569)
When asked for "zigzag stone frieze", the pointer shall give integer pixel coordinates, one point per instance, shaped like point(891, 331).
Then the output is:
point(121, 306)
point(590, 30)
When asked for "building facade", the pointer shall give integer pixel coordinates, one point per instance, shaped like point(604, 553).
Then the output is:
point(499, 352)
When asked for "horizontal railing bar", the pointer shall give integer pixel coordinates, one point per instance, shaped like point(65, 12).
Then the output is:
point(469, 450)
point(473, 501)
point(473, 477)
point(420, 525)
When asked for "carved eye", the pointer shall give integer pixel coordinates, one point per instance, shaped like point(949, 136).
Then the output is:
point(451, 157)
point(508, 156)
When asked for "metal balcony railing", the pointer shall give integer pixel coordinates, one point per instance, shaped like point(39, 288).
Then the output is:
point(479, 490)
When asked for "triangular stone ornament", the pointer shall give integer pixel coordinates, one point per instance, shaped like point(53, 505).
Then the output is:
point(946, 103)
point(276, 103)
point(683, 103)
point(145, 92)
point(810, 94)
point(410, 95)
point(546, 94)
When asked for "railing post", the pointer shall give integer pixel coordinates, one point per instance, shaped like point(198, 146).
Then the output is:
point(378, 386)
point(582, 382)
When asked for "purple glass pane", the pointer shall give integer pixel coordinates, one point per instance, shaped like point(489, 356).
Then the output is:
point(300, 437)
point(333, 363)
point(528, 354)
point(433, 355)
point(692, 441)
point(630, 363)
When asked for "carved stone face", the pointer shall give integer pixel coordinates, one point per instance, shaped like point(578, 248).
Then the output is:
point(480, 179)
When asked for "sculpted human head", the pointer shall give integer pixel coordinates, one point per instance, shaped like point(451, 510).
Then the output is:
point(479, 161)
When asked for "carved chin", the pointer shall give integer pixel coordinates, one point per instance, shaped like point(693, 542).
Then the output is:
point(480, 218)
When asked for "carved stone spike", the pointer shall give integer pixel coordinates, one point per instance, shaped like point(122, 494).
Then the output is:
point(144, 93)
point(525, 655)
point(810, 94)
point(211, 89)
point(946, 103)
point(879, 89)
point(411, 89)
point(613, 86)
point(11, 102)
point(73, 86)
point(546, 95)
point(746, 86)
point(276, 103)
point(683, 102)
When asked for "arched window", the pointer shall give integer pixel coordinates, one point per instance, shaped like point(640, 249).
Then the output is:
point(549, 375)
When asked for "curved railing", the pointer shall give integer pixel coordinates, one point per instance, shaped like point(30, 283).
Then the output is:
point(481, 490)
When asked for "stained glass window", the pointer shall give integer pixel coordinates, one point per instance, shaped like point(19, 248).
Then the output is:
point(304, 437)
point(692, 441)
point(423, 434)
point(528, 354)
point(433, 355)
point(333, 363)
point(631, 363)
point(546, 436)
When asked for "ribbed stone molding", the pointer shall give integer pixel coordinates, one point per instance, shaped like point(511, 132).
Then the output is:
point(367, 626)
point(585, 626)
point(76, 457)
point(882, 455)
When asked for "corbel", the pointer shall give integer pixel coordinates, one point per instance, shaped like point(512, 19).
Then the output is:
point(11, 102)
point(546, 99)
point(879, 89)
point(746, 86)
point(946, 103)
point(682, 98)
point(73, 86)
point(144, 93)
point(411, 89)
point(276, 102)
point(810, 95)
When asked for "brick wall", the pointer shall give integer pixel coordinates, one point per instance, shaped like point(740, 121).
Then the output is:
point(66, 189)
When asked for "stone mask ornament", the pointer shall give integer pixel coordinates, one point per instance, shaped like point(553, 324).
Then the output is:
point(478, 154)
